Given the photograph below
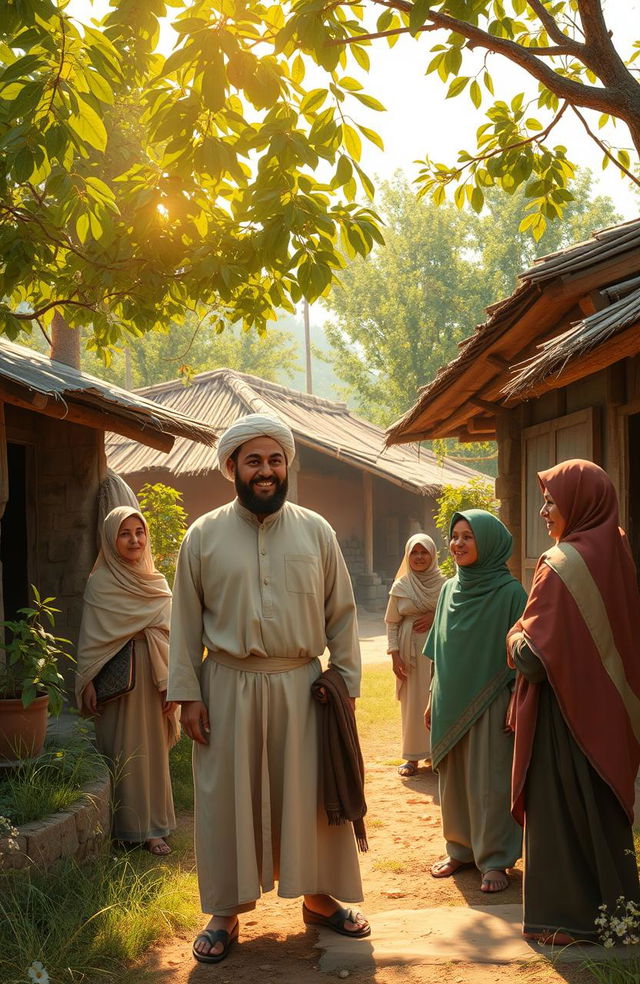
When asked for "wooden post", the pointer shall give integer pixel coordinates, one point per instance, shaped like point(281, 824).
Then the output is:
point(4, 498)
point(293, 470)
point(307, 345)
point(65, 342)
point(367, 493)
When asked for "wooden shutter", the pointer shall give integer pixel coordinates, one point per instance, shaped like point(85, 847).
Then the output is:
point(544, 445)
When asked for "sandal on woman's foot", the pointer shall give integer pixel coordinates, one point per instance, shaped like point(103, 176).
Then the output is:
point(408, 769)
point(158, 846)
point(213, 936)
point(495, 880)
point(337, 920)
point(448, 867)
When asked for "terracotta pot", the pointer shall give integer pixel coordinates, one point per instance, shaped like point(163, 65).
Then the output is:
point(22, 729)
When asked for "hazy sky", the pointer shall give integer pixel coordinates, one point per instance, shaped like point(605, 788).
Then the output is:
point(419, 120)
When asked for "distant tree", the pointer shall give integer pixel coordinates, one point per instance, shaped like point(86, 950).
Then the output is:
point(186, 349)
point(398, 315)
point(506, 251)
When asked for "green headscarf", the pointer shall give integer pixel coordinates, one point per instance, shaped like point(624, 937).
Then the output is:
point(467, 642)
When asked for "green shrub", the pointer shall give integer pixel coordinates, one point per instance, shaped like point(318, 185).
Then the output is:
point(167, 523)
point(478, 494)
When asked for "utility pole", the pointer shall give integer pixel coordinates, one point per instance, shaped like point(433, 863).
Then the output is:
point(307, 344)
point(128, 378)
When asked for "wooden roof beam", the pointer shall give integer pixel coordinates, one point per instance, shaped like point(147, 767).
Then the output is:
point(20, 396)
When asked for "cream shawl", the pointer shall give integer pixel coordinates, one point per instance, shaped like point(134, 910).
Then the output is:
point(122, 600)
point(423, 589)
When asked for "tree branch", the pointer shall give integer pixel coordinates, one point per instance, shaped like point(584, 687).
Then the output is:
point(605, 100)
point(603, 147)
point(551, 27)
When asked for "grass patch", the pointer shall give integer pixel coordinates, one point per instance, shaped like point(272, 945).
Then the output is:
point(181, 774)
point(614, 971)
point(50, 783)
point(92, 922)
point(378, 711)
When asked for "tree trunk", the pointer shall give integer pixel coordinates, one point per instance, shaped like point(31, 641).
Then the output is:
point(65, 342)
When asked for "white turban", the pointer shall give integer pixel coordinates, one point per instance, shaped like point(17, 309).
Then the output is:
point(245, 429)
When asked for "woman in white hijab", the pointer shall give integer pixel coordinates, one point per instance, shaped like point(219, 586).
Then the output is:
point(127, 598)
point(412, 603)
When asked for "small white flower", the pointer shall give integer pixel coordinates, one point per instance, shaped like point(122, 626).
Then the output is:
point(37, 973)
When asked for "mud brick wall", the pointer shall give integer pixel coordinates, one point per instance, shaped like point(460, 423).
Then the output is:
point(65, 465)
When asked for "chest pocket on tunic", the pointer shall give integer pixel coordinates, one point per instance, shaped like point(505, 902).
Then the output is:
point(301, 573)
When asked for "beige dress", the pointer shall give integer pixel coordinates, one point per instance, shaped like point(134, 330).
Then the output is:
point(413, 693)
point(132, 733)
point(263, 599)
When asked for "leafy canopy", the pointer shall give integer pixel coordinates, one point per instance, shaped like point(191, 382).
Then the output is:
point(566, 48)
point(236, 196)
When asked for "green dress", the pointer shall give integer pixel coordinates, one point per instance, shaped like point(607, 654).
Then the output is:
point(469, 697)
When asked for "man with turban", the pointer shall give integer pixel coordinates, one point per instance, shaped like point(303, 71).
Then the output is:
point(261, 588)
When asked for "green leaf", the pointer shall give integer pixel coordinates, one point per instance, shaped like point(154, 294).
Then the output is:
point(351, 141)
point(418, 15)
point(372, 136)
point(369, 101)
point(88, 126)
point(457, 86)
point(477, 199)
point(475, 94)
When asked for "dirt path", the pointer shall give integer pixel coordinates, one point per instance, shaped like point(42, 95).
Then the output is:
point(405, 839)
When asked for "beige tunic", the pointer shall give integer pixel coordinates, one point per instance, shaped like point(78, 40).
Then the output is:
point(413, 693)
point(263, 597)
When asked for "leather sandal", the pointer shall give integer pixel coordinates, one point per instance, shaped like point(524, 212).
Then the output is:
point(213, 936)
point(336, 921)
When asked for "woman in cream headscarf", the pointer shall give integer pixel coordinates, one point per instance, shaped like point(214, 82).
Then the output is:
point(127, 598)
point(412, 603)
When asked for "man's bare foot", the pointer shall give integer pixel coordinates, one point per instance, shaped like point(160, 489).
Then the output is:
point(202, 945)
point(448, 866)
point(494, 880)
point(326, 905)
point(158, 846)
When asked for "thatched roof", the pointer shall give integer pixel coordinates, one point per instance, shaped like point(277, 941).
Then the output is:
point(223, 395)
point(31, 380)
point(573, 312)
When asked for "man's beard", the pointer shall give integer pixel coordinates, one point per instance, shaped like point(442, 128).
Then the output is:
point(258, 504)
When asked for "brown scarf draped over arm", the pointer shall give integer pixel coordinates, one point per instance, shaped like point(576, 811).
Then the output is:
point(341, 763)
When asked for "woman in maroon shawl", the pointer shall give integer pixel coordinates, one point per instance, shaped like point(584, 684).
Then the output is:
point(577, 711)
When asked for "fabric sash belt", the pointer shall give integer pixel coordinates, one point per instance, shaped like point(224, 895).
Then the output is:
point(258, 664)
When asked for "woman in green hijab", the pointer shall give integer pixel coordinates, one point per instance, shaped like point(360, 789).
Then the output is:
point(470, 691)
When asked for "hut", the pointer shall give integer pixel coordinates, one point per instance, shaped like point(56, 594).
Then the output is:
point(374, 498)
point(554, 373)
point(53, 420)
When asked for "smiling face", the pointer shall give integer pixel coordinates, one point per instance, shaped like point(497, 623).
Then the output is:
point(462, 545)
point(131, 539)
point(260, 475)
point(554, 520)
point(419, 559)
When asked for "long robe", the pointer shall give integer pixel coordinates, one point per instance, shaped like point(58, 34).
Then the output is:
point(133, 734)
point(263, 599)
point(413, 693)
point(577, 835)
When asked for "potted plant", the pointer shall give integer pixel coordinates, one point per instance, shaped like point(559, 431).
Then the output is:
point(31, 685)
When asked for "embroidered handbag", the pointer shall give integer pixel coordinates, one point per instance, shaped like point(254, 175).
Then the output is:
point(118, 676)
